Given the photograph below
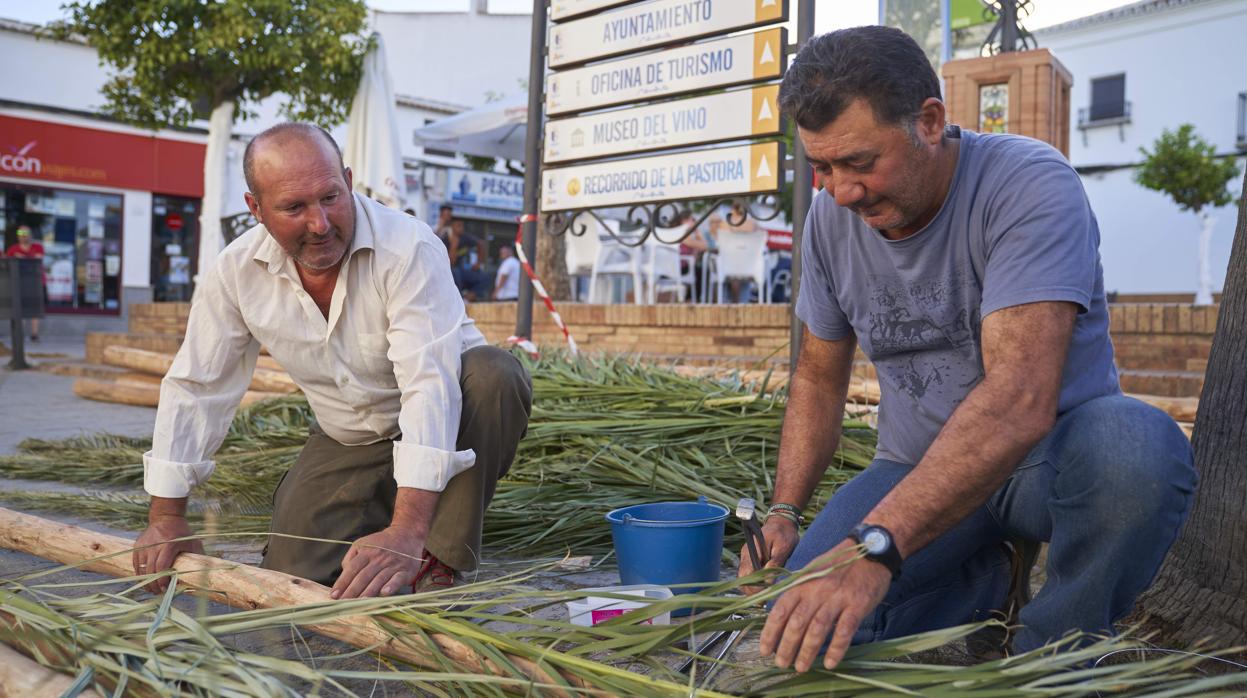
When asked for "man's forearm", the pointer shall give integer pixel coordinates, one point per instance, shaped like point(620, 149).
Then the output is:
point(413, 510)
point(980, 445)
point(813, 418)
point(166, 506)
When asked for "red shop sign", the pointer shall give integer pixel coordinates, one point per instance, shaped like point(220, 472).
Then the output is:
point(48, 151)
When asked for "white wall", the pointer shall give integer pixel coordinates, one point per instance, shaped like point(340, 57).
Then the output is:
point(1183, 64)
point(52, 73)
point(456, 57)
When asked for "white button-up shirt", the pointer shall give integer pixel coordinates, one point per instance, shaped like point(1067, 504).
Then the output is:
point(385, 363)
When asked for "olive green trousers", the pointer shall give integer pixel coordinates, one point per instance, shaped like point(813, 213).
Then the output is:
point(341, 493)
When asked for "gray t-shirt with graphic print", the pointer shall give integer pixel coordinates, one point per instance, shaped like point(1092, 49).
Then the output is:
point(1015, 228)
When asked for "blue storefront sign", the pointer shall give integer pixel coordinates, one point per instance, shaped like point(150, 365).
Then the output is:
point(485, 189)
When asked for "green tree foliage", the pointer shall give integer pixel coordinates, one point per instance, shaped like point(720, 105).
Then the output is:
point(1187, 169)
point(176, 60)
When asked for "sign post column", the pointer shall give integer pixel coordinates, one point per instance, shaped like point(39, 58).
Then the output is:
point(532, 162)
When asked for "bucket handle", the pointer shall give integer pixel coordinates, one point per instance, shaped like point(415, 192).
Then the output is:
point(629, 518)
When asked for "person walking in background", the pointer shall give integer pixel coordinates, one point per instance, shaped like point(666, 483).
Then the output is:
point(507, 280)
point(27, 248)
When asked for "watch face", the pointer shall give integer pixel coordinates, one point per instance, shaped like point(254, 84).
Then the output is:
point(875, 541)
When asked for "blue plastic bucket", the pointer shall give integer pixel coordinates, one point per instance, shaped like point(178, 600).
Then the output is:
point(669, 543)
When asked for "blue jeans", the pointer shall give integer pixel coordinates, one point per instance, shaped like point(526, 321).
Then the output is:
point(1108, 489)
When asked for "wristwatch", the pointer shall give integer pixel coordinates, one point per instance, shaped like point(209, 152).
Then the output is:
point(879, 546)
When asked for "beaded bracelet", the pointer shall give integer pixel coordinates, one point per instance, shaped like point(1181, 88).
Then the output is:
point(787, 511)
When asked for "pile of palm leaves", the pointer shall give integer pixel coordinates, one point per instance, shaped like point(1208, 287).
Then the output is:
point(605, 432)
point(124, 643)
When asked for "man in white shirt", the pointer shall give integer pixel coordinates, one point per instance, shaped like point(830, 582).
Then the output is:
point(507, 280)
point(416, 417)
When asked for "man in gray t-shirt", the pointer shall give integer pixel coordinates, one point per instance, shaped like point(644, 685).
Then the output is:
point(966, 267)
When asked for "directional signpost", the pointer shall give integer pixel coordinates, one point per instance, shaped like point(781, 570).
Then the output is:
point(718, 172)
point(722, 117)
point(654, 24)
point(732, 61)
point(640, 57)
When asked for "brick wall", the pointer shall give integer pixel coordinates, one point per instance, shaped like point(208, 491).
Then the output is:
point(1162, 348)
point(694, 332)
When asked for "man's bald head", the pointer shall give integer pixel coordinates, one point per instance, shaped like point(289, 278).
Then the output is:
point(277, 136)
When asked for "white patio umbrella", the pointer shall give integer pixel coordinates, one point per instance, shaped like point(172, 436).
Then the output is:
point(495, 129)
point(372, 142)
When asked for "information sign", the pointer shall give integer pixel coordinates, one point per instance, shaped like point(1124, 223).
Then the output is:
point(734, 60)
point(654, 24)
point(742, 169)
point(727, 116)
point(561, 10)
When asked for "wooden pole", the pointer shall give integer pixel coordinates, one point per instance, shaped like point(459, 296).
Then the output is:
point(129, 390)
point(20, 676)
point(245, 587)
point(157, 364)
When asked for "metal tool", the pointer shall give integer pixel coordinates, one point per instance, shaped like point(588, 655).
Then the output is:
point(747, 512)
point(700, 653)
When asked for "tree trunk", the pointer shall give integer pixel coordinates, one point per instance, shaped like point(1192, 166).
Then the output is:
point(1203, 296)
point(1201, 591)
point(211, 241)
point(551, 262)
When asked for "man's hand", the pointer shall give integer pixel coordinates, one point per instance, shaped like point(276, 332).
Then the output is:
point(803, 617)
point(380, 564)
point(161, 529)
point(781, 539)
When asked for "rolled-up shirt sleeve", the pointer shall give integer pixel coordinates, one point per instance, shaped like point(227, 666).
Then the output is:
point(201, 391)
point(426, 313)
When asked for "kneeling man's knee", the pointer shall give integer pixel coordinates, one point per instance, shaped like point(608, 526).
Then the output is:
point(1128, 457)
point(490, 373)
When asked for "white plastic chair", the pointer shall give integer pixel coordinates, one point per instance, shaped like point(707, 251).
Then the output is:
point(742, 255)
point(662, 262)
point(581, 251)
point(616, 260)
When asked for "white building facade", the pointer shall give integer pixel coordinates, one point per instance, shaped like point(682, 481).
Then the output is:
point(117, 207)
point(1139, 70)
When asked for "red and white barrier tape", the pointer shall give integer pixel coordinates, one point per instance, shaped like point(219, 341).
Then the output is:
point(540, 290)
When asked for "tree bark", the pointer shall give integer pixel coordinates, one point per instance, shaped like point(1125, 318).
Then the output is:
point(551, 263)
point(1203, 294)
point(211, 241)
point(1201, 591)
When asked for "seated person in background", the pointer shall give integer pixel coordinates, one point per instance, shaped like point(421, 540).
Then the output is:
point(695, 245)
point(507, 280)
point(467, 254)
point(738, 221)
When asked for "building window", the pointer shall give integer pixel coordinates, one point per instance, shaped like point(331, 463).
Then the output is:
point(1242, 121)
point(81, 237)
point(1108, 98)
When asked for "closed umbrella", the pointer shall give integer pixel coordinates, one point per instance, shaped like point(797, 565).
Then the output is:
point(372, 143)
point(494, 130)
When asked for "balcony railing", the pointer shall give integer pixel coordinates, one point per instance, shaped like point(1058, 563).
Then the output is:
point(1118, 117)
point(1107, 116)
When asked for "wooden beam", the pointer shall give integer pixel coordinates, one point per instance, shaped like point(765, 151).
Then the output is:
point(134, 391)
point(22, 676)
point(263, 380)
point(246, 587)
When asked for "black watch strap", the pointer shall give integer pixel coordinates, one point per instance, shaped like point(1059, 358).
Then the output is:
point(888, 556)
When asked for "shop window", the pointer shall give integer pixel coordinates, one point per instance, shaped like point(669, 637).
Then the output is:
point(81, 236)
point(175, 247)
